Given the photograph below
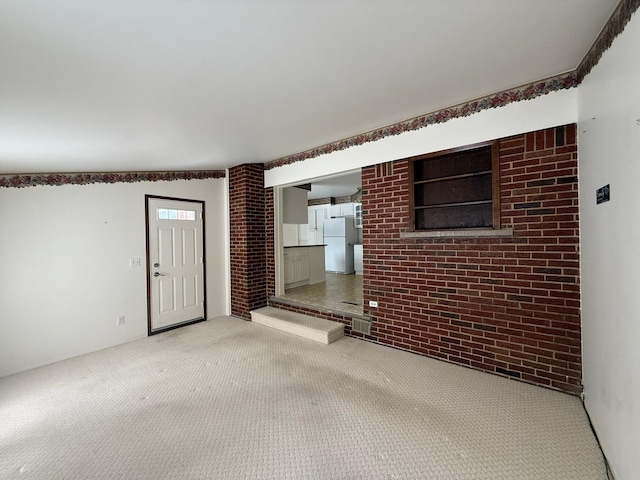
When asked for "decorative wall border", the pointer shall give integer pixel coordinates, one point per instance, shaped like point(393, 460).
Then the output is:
point(614, 27)
point(87, 178)
point(525, 92)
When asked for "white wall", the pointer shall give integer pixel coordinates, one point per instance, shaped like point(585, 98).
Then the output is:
point(609, 153)
point(557, 108)
point(64, 257)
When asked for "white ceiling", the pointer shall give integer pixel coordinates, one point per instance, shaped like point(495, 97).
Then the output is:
point(337, 186)
point(112, 85)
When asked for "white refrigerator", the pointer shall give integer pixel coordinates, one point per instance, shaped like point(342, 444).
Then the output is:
point(339, 237)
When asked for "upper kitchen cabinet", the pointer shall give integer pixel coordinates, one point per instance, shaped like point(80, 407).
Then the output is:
point(294, 205)
point(316, 216)
point(342, 210)
point(358, 214)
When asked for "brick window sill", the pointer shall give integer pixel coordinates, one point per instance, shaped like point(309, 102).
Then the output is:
point(473, 233)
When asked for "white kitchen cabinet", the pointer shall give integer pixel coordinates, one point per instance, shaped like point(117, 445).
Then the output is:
point(303, 266)
point(342, 210)
point(357, 211)
point(347, 209)
point(296, 267)
point(289, 268)
point(316, 217)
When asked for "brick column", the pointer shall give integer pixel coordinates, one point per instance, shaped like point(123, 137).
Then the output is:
point(247, 238)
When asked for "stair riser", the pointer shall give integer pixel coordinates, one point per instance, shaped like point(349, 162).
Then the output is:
point(299, 330)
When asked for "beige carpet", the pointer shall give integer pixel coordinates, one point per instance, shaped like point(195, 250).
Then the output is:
point(232, 399)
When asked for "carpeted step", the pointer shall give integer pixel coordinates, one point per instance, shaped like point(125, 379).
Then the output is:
point(312, 328)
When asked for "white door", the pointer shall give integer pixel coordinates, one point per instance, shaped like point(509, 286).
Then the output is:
point(176, 262)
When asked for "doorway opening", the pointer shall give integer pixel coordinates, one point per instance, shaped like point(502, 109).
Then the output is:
point(175, 262)
point(320, 247)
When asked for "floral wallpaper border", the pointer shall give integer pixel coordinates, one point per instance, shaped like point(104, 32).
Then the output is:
point(614, 27)
point(526, 92)
point(58, 179)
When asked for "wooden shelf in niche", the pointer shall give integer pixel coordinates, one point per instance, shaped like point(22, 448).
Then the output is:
point(456, 189)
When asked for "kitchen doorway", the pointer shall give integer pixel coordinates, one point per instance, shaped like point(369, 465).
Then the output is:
point(321, 253)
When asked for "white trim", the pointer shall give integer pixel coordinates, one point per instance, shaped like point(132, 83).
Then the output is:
point(227, 243)
point(278, 241)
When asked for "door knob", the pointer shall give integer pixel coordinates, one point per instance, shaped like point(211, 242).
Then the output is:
point(157, 274)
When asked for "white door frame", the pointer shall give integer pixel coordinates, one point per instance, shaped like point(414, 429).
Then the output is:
point(278, 241)
point(150, 330)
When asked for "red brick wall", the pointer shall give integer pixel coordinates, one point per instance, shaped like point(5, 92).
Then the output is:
point(505, 305)
point(247, 239)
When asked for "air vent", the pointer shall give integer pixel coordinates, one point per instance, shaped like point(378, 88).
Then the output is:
point(360, 325)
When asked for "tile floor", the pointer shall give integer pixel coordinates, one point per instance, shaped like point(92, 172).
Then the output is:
point(338, 292)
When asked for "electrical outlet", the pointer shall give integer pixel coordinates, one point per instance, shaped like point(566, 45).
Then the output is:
point(373, 303)
point(120, 320)
point(134, 262)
